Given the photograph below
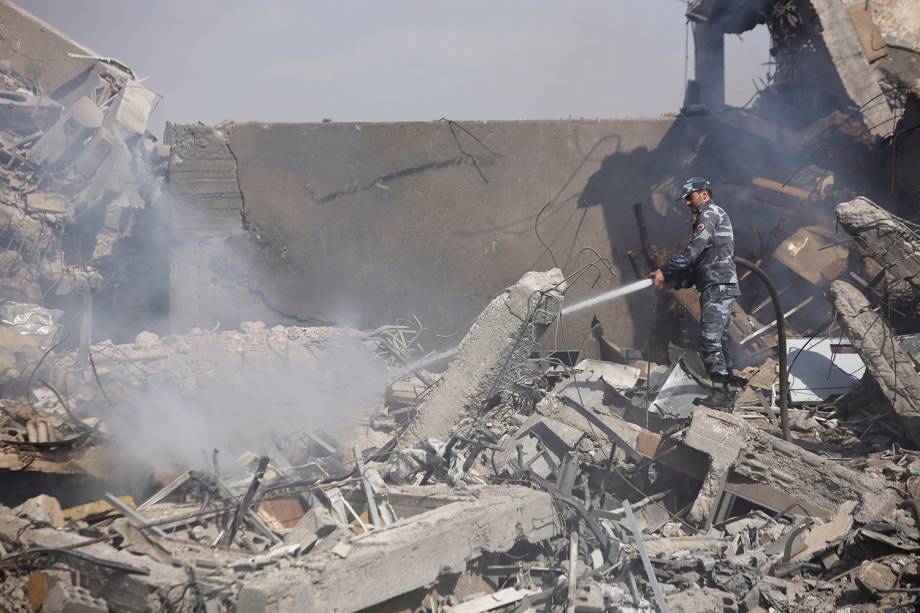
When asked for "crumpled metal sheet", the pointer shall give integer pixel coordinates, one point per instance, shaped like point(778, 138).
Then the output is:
point(822, 367)
point(30, 319)
point(677, 392)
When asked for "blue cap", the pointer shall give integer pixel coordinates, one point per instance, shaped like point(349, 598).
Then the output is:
point(693, 184)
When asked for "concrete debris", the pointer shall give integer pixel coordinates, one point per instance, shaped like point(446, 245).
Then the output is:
point(41, 510)
point(493, 354)
point(892, 367)
point(72, 599)
point(891, 242)
point(167, 339)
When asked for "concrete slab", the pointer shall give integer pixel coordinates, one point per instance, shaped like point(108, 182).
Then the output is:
point(884, 238)
point(774, 473)
point(891, 367)
point(37, 49)
point(413, 553)
point(859, 79)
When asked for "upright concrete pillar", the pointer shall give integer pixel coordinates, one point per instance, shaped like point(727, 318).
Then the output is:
point(709, 66)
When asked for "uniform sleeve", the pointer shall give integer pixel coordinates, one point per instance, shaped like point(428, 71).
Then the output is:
point(702, 234)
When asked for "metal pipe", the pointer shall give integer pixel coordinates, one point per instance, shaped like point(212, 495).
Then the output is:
point(138, 520)
point(368, 490)
point(781, 333)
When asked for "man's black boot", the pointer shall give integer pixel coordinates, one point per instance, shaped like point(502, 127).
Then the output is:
point(720, 395)
point(719, 398)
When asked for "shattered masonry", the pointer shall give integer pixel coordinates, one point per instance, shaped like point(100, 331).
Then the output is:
point(263, 367)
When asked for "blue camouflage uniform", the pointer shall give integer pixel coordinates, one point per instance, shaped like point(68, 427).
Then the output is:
point(708, 262)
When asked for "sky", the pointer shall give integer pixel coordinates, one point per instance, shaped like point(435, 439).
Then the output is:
point(397, 60)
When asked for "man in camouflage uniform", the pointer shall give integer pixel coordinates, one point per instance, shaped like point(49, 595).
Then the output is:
point(708, 262)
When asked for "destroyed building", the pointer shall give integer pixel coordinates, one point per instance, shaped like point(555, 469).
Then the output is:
point(336, 366)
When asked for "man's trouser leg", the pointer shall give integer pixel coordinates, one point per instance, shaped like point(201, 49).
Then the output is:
point(726, 339)
point(715, 313)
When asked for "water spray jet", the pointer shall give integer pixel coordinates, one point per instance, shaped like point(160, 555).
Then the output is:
point(607, 296)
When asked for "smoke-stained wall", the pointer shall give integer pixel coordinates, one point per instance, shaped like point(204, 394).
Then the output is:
point(361, 224)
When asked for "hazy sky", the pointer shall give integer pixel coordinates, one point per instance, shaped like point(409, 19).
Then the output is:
point(386, 60)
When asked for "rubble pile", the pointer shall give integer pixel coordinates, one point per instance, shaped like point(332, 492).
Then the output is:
point(319, 468)
point(78, 171)
point(594, 486)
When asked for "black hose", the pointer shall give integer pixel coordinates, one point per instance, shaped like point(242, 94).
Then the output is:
point(781, 333)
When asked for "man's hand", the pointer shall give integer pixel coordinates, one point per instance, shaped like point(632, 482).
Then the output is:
point(658, 276)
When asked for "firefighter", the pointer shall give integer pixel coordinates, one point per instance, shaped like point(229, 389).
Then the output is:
point(708, 262)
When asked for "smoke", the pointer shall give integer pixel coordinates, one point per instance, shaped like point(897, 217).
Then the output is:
point(247, 400)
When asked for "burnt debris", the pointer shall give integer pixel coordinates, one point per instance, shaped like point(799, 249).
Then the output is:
point(155, 457)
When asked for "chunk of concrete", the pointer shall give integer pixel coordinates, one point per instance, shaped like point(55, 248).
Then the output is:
point(697, 599)
point(131, 110)
point(95, 152)
point(493, 354)
point(412, 553)
point(752, 464)
point(75, 124)
point(859, 79)
point(41, 510)
point(873, 576)
point(46, 202)
point(884, 238)
point(891, 366)
point(819, 537)
point(72, 599)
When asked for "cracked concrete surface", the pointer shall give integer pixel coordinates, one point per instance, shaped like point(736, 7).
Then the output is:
point(363, 223)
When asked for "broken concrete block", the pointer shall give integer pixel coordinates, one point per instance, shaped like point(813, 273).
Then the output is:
point(72, 599)
point(493, 354)
point(73, 126)
point(41, 510)
point(131, 110)
point(85, 113)
point(819, 537)
point(874, 576)
point(891, 367)
point(751, 464)
point(634, 440)
point(884, 238)
point(559, 438)
point(697, 599)
point(113, 174)
point(46, 202)
point(52, 144)
point(439, 541)
point(856, 74)
point(94, 153)
point(617, 376)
